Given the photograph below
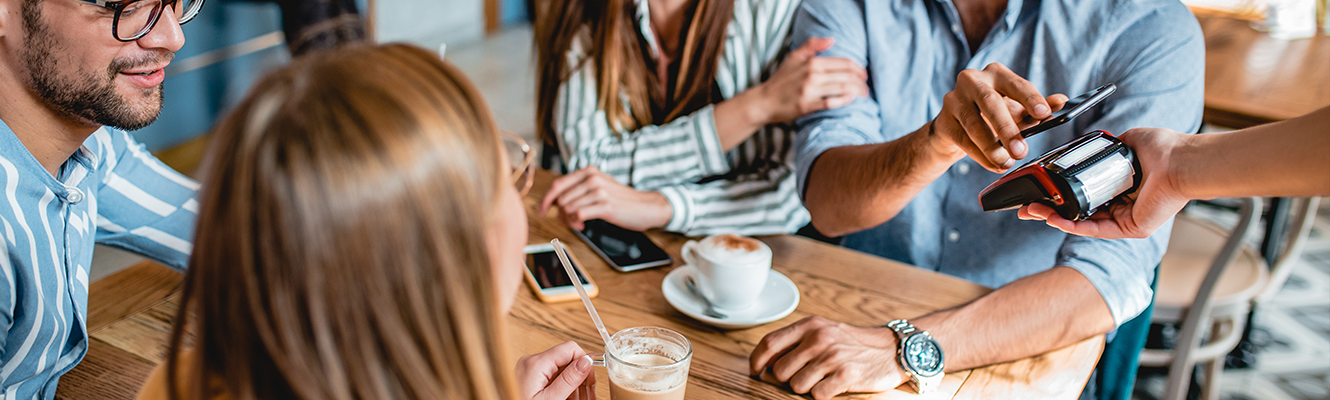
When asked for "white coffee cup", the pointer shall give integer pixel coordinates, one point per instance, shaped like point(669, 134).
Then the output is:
point(731, 269)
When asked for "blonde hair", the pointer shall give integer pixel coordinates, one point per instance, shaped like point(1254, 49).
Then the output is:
point(341, 248)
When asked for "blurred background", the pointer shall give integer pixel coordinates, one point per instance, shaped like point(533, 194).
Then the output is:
point(233, 42)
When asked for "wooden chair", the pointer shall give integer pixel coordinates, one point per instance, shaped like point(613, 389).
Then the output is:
point(1207, 281)
point(1302, 215)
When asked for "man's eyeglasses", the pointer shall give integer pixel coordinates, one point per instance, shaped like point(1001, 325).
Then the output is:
point(135, 18)
point(522, 160)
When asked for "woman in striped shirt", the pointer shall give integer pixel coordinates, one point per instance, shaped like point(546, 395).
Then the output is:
point(672, 112)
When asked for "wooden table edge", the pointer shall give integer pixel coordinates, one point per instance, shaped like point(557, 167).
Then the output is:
point(128, 292)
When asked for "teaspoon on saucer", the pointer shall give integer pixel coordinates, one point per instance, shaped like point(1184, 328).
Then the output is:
point(709, 309)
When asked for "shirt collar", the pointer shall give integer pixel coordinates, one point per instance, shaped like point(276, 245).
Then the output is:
point(1014, 8)
point(644, 26)
point(1009, 16)
point(87, 151)
point(15, 151)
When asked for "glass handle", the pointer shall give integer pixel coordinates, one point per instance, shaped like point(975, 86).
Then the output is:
point(597, 359)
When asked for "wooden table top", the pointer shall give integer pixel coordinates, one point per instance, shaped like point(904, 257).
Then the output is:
point(1252, 78)
point(131, 313)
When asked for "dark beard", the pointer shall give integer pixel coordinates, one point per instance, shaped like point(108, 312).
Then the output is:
point(91, 98)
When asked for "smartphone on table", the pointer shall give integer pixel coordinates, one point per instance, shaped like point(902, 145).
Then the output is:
point(623, 249)
point(1074, 108)
point(547, 277)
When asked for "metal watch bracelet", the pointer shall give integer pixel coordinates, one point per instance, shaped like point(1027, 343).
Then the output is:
point(925, 378)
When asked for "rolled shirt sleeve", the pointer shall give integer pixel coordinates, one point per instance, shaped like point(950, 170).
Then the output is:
point(1122, 270)
point(754, 206)
point(854, 124)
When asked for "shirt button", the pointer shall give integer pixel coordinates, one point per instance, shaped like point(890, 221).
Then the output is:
point(953, 236)
point(74, 195)
point(963, 168)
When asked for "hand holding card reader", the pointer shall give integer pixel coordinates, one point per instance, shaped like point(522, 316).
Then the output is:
point(1075, 179)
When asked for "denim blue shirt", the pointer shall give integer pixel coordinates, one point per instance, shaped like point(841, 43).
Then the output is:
point(913, 50)
point(110, 191)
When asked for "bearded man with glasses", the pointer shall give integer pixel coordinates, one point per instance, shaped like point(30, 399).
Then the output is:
point(74, 76)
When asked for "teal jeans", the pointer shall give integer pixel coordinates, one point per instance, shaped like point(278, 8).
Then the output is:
point(1115, 375)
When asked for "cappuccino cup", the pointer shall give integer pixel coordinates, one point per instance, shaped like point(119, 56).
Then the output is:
point(731, 270)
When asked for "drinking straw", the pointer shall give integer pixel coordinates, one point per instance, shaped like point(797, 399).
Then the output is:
point(586, 300)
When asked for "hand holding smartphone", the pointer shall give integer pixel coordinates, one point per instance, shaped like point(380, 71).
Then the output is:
point(1074, 108)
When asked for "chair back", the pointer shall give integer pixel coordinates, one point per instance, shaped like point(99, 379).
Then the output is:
point(1301, 216)
point(1190, 337)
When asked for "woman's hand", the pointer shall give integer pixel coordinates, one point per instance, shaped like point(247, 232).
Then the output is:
point(1140, 214)
point(562, 372)
point(591, 194)
point(805, 83)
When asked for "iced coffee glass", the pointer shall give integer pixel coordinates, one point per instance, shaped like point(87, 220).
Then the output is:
point(648, 363)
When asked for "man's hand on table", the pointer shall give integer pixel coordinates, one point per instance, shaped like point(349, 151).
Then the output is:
point(826, 358)
point(984, 115)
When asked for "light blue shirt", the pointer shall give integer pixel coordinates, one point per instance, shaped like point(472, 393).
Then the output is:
point(913, 50)
point(111, 191)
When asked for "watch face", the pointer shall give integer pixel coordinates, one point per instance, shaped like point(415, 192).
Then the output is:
point(923, 354)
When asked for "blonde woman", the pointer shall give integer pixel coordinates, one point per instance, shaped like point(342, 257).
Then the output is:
point(671, 113)
point(360, 237)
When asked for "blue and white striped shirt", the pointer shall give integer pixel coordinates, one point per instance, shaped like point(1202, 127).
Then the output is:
point(111, 191)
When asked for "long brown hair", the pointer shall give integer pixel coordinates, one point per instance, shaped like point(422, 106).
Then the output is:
point(341, 249)
point(618, 55)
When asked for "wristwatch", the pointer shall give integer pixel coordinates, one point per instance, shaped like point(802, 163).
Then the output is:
point(919, 354)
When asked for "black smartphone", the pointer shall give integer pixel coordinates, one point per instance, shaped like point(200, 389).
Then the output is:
point(1074, 108)
point(623, 249)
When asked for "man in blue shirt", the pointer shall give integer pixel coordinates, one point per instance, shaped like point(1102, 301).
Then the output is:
point(68, 181)
point(898, 174)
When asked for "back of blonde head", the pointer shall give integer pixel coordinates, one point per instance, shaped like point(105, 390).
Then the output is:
point(340, 251)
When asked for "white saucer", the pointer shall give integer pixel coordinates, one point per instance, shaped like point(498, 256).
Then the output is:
point(778, 299)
